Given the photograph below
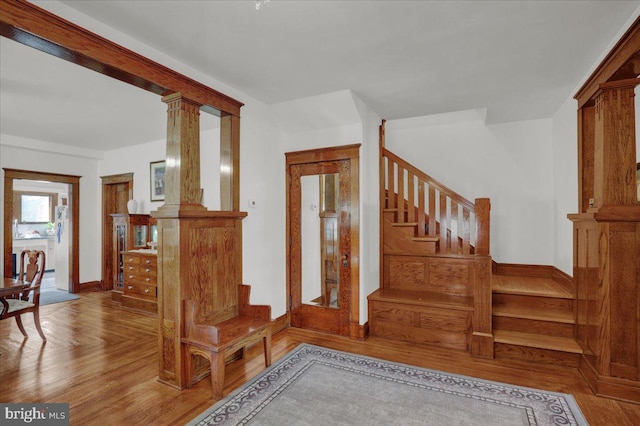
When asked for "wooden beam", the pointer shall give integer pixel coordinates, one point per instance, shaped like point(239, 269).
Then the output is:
point(30, 25)
point(623, 56)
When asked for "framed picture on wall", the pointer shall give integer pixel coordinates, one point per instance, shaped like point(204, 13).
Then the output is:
point(157, 180)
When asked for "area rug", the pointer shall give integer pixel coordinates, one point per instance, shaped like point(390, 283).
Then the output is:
point(317, 386)
point(49, 297)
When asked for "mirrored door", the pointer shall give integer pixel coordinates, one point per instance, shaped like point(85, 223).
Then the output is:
point(319, 221)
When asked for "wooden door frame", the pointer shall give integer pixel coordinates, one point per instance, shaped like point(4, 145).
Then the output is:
point(74, 194)
point(107, 220)
point(350, 153)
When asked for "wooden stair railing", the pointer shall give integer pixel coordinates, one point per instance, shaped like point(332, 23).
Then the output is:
point(437, 210)
point(435, 265)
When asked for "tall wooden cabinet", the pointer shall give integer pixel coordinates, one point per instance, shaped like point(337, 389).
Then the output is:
point(607, 228)
point(130, 232)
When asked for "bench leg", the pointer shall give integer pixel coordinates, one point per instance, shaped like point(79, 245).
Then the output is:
point(266, 341)
point(217, 374)
point(188, 367)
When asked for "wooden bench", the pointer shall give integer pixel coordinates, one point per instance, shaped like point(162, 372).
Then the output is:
point(218, 340)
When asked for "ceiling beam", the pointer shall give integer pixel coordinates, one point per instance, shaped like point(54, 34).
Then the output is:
point(35, 27)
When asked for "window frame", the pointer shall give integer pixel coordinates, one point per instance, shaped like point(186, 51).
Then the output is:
point(17, 205)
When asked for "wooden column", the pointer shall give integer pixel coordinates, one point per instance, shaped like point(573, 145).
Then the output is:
point(199, 251)
point(482, 337)
point(615, 144)
point(607, 229)
point(182, 167)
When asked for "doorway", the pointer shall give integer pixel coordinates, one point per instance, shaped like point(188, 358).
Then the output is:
point(70, 220)
point(323, 249)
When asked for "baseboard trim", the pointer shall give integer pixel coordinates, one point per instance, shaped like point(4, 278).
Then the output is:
point(610, 387)
point(90, 286)
point(280, 323)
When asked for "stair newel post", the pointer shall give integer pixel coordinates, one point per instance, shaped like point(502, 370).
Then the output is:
point(482, 337)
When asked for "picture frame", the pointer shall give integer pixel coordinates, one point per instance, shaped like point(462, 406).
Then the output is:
point(156, 180)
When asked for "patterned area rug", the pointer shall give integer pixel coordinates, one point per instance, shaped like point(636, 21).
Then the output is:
point(317, 386)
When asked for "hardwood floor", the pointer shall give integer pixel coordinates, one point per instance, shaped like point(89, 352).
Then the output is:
point(103, 361)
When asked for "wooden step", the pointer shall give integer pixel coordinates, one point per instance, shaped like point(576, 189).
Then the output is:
point(528, 286)
point(562, 316)
point(425, 239)
point(405, 224)
point(549, 328)
point(562, 344)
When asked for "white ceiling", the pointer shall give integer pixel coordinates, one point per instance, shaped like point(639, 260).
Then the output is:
point(518, 59)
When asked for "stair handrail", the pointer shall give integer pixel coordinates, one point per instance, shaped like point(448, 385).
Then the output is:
point(431, 181)
point(481, 208)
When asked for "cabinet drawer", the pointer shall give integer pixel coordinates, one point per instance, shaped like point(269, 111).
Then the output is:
point(148, 261)
point(148, 270)
point(140, 290)
point(130, 258)
point(140, 279)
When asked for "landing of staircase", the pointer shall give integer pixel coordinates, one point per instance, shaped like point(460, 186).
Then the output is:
point(528, 286)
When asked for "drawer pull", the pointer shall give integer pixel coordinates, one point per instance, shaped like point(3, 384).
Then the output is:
point(131, 259)
point(148, 261)
point(130, 267)
point(146, 290)
point(148, 279)
point(131, 277)
point(129, 287)
point(147, 270)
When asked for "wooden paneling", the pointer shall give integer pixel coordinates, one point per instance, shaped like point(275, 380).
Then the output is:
point(197, 261)
point(607, 234)
point(615, 145)
point(429, 274)
point(423, 325)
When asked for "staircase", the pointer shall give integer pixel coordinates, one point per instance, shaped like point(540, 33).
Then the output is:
point(436, 267)
point(533, 320)
point(437, 285)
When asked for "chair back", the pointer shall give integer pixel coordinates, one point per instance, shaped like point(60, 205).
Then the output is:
point(32, 266)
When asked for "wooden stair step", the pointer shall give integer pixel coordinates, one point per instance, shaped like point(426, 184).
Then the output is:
point(405, 224)
point(426, 239)
point(562, 344)
point(528, 286)
point(565, 317)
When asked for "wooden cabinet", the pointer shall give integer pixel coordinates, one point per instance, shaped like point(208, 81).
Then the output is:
point(140, 280)
point(130, 232)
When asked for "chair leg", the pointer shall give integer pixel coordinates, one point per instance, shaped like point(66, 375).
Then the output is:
point(266, 341)
point(20, 326)
point(217, 374)
point(36, 320)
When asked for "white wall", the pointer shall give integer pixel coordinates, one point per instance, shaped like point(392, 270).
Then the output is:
point(41, 156)
point(509, 163)
point(565, 182)
point(369, 205)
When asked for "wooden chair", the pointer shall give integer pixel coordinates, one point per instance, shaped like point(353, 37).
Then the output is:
point(32, 266)
point(218, 340)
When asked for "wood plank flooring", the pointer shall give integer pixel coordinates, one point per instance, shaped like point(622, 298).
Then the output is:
point(103, 361)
